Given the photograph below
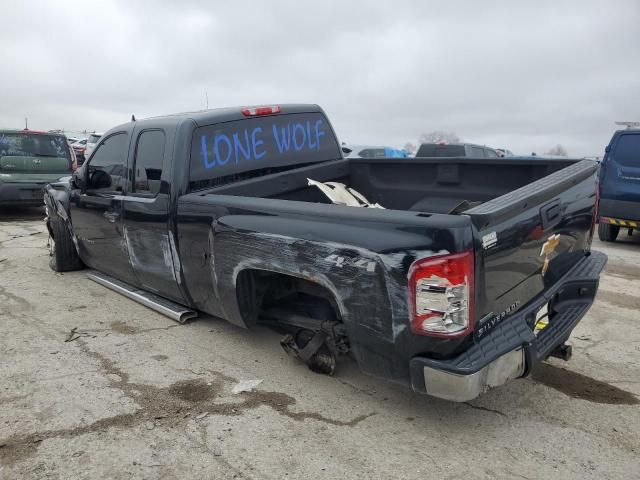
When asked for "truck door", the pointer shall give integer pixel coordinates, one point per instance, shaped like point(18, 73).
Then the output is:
point(148, 233)
point(96, 212)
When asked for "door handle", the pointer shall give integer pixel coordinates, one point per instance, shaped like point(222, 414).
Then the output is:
point(111, 217)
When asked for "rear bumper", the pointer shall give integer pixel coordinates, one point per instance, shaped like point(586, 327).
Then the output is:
point(616, 209)
point(619, 222)
point(26, 194)
point(512, 349)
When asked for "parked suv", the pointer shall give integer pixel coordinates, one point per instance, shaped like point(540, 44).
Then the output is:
point(28, 161)
point(620, 185)
point(456, 150)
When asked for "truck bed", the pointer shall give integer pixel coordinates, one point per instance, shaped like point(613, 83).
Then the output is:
point(415, 184)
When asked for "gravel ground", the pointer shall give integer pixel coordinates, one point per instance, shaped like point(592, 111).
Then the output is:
point(134, 395)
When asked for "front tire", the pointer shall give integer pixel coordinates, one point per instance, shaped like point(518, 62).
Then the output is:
point(64, 257)
point(608, 232)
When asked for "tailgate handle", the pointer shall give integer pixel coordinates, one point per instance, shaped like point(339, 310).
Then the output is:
point(550, 214)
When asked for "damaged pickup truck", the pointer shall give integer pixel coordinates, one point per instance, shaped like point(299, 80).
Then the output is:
point(450, 276)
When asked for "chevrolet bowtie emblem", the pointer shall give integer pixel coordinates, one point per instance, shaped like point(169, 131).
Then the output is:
point(548, 248)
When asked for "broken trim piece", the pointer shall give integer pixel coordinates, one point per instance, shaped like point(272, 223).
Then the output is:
point(340, 194)
point(174, 311)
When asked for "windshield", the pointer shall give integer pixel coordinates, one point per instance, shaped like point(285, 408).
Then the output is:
point(33, 145)
point(93, 138)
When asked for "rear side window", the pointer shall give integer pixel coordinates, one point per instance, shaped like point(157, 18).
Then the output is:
point(220, 152)
point(148, 163)
point(627, 151)
point(108, 165)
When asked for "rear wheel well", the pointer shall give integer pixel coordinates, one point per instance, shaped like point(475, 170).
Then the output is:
point(259, 290)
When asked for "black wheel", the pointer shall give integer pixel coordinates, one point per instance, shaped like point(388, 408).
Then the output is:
point(608, 232)
point(64, 257)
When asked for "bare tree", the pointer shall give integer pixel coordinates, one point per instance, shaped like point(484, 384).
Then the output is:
point(438, 136)
point(558, 150)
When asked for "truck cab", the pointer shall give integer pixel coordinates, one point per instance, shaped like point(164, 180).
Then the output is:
point(619, 185)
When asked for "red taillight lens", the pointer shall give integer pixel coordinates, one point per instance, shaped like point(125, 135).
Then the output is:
point(256, 111)
point(441, 295)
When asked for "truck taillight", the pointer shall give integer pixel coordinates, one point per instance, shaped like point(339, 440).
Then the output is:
point(256, 111)
point(441, 295)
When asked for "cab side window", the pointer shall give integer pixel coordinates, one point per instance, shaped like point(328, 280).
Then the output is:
point(108, 166)
point(148, 162)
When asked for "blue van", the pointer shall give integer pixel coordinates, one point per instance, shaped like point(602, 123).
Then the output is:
point(620, 185)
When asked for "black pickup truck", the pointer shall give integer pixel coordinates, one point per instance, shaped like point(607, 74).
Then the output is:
point(449, 276)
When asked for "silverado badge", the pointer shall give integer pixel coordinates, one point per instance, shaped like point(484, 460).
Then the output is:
point(548, 248)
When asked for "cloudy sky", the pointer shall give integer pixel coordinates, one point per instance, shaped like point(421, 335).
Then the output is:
point(525, 76)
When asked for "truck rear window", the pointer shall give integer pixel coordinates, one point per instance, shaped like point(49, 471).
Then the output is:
point(437, 150)
point(228, 151)
point(627, 151)
point(33, 145)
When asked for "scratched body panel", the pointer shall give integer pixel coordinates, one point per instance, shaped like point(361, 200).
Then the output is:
point(361, 265)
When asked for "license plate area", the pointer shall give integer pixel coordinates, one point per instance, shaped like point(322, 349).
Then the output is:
point(541, 320)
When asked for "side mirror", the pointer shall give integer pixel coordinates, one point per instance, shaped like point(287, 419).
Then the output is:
point(99, 179)
point(78, 179)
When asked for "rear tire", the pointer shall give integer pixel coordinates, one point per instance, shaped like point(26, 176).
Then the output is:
point(608, 232)
point(64, 257)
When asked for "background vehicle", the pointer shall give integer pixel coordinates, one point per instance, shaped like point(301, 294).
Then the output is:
point(619, 184)
point(92, 140)
point(80, 147)
point(368, 151)
point(28, 161)
point(504, 152)
point(455, 150)
point(439, 283)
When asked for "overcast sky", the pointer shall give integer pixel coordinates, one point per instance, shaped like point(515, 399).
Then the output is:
point(525, 76)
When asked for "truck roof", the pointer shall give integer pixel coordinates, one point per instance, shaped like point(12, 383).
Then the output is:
point(217, 115)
